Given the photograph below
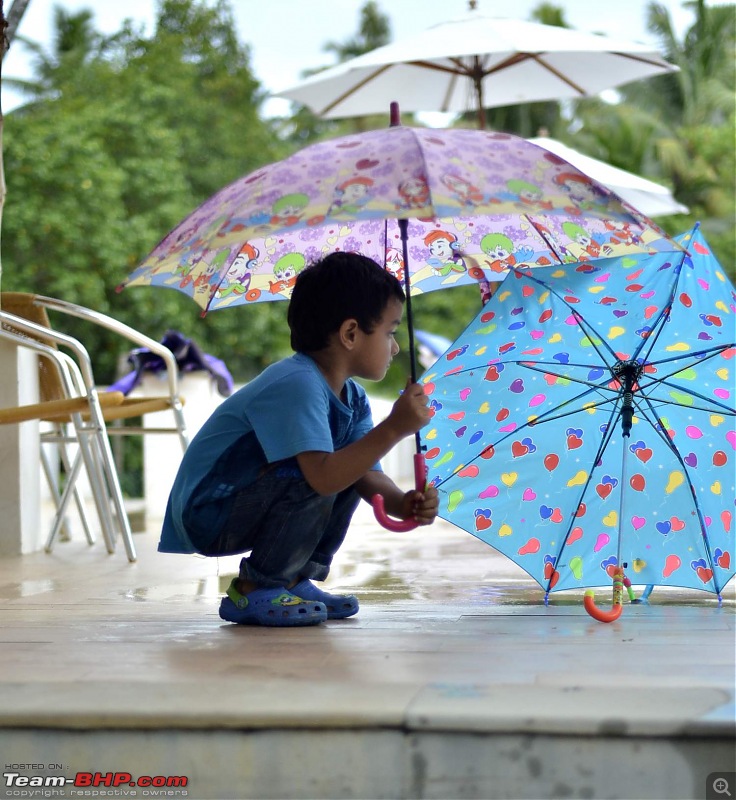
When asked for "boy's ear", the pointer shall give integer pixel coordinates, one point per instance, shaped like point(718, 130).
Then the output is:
point(348, 333)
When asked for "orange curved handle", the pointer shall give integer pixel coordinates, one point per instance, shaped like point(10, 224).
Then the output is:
point(616, 608)
point(599, 613)
point(379, 510)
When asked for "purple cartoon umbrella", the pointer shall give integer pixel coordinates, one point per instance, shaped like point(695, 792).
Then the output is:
point(476, 203)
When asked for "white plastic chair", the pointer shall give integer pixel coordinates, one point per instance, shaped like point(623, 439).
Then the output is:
point(74, 410)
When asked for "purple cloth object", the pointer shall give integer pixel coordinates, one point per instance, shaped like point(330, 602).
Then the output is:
point(189, 358)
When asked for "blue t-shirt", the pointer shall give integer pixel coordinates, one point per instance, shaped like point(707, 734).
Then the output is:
point(288, 409)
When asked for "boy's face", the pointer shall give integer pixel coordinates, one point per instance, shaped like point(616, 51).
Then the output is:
point(373, 354)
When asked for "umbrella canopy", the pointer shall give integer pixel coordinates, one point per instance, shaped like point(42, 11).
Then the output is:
point(652, 199)
point(479, 62)
point(586, 420)
point(477, 203)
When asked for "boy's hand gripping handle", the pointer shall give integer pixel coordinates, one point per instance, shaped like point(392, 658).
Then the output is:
point(400, 525)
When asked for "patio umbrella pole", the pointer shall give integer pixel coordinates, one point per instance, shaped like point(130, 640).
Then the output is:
point(477, 75)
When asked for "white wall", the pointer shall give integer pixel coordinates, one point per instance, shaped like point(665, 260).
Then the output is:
point(21, 530)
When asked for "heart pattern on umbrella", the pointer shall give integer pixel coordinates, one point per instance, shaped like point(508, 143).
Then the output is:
point(541, 392)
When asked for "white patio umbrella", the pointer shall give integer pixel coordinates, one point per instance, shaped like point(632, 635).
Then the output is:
point(479, 62)
point(650, 198)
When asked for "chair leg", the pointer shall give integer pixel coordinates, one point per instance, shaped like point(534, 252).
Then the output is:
point(64, 501)
point(59, 439)
point(97, 483)
point(51, 481)
point(114, 494)
point(100, 496)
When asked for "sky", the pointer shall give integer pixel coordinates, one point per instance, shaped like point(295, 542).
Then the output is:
point(287, 36)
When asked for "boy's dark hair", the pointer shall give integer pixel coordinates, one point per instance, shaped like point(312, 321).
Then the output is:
point(341, 286)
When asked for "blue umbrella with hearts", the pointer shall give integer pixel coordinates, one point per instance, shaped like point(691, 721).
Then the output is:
point(584, 424)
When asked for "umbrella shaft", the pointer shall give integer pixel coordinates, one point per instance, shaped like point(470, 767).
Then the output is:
point(627, 413)
point(403, 226)
point(627, 373)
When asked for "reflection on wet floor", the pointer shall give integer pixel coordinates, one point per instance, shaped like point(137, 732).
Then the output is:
point(382, 587)
point(376, 584)
point(439, 565)
point(28, 588)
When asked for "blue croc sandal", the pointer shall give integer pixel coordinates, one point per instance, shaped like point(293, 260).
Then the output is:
point(271, 607)
point(338, 606)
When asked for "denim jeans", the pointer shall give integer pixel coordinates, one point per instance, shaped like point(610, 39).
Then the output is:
point(290, 530)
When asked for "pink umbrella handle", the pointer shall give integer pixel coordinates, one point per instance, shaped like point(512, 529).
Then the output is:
point(616, 608)
point(396, 525)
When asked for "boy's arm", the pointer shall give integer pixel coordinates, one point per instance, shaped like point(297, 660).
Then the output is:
point(330, 473)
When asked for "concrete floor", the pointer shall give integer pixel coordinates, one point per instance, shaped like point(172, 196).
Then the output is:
point(454, 681)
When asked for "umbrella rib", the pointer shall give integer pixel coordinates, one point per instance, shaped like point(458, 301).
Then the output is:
point(548, 416)
point(462, 68)
point(344, 96)
point(712, 408)
point(662, 402)
point(710, 352)
point(511, 61)
point(640, 59)
point(532, 423)
point(572, 378)
point(541, 231)
point(518, 58)
point(444, 105)
point(585, 326)
point(590, 333)
point(658, 429)
point(596, 387)
point(531, 366)
point(650, 341)
point(615, 413)
point(559, 75)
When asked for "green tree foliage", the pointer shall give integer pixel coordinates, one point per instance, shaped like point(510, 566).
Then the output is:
point(702, 90)
point(678, 128)
point(122, 138)
point(74, 42)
